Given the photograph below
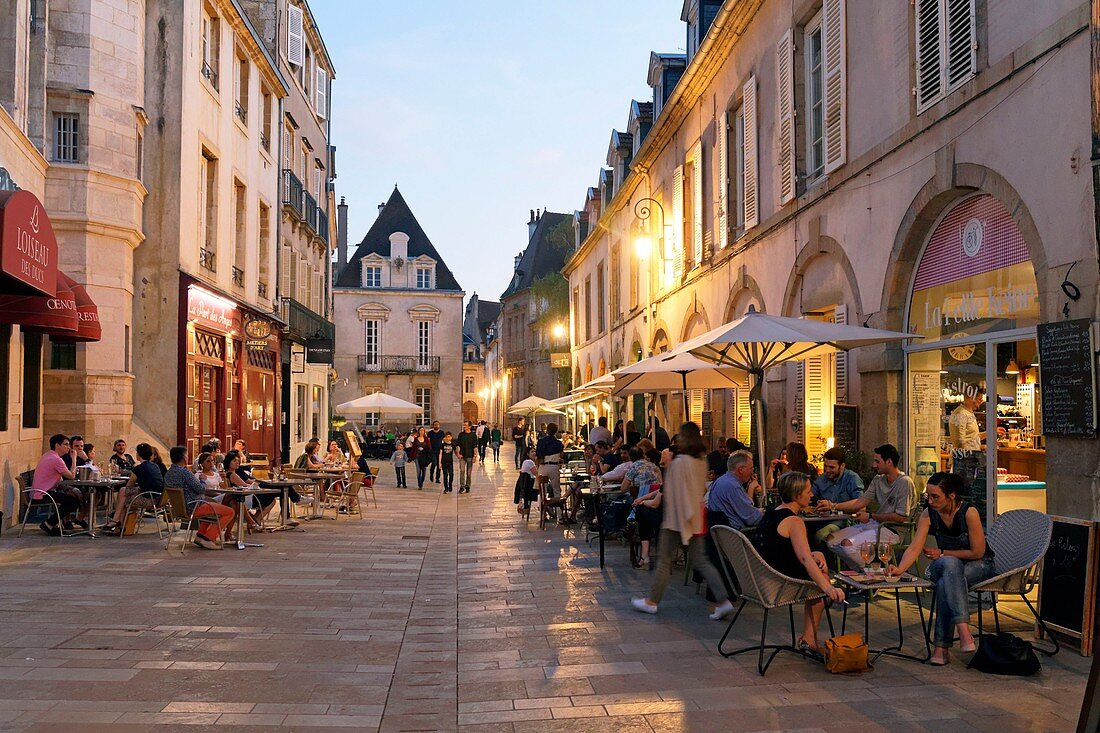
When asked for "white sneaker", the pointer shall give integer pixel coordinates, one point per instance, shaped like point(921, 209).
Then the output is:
point(723, 609)
point(205, 543)
point(640, 604)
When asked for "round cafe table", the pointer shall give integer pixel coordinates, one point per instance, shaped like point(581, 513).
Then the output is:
point(95, 487)
point(285, 485)
point(241, 493)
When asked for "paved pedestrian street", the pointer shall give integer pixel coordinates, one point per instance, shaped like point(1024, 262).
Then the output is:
point(437, 612)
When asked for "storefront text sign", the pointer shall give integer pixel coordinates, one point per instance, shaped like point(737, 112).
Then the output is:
point(977, 306)
point(207, 309)
point(28, 247)
point(258, 333)
point(320, 351)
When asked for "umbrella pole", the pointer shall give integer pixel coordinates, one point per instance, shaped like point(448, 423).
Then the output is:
point(687, 413)
point(759, 410)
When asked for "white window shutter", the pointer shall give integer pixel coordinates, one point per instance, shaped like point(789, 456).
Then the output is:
point(697, 205)
point(817, 422)
point(677, 249)
point(286, 270)
point(784, 72)
point(800, 401)
point(723, 181)
point(834, 42)
point(295, 42)
point(322, 93)
point(840, 317)
point(750, 181)
point(743, 428)
point(962, 46)
point(929, 40)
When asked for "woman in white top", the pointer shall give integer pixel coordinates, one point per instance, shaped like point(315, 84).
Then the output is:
point(527, 470)
point(335, 457)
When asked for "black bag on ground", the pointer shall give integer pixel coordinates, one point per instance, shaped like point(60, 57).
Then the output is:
point(615, 514)
point(1005, 654)
point(525, 488)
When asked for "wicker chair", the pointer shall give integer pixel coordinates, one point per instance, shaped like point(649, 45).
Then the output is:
point(1020, 538)
point(762, 586)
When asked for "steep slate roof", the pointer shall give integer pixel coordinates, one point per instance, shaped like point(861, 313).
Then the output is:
point(487, 312)
point(396, 216)
point(540, 258)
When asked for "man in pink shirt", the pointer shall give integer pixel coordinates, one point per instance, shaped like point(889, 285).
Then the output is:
point(48, 475)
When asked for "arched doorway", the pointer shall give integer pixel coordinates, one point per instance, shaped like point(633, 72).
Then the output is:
point(469, 411)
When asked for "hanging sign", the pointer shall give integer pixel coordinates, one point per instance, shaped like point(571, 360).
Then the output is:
point(257, 333)
point(320, 351)
point(28, 247)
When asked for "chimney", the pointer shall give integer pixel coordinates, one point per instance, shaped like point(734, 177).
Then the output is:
point(341, 235)
point(515, 264)
point(381, 206)
point(532, 223)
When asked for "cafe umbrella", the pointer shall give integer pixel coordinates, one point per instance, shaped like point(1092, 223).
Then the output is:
point(382, 403)
point(758, 341)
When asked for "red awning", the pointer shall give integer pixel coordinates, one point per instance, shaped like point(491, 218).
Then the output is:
point(55, 315)
point(87, 313)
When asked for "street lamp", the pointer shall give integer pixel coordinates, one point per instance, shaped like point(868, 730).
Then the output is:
point(558, 331)
point(643, 210)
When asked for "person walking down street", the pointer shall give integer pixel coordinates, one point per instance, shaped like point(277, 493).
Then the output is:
point(519, 438)
point(446, 465)
point(484, 435)
point(466, 444)
point(399, 459)
point(435, 440)
point(424, 457)
point(682, 525)
point(495, 439)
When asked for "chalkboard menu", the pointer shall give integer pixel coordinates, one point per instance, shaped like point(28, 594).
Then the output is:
point(1067, 376)
point(1066, 590)
point(846, 426)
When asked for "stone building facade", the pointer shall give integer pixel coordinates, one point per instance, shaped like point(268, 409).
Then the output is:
point(866, 163)
point(478, 326)
point(398, 314)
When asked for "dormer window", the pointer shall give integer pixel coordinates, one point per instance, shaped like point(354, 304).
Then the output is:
point(372, 276)
point(424, 278)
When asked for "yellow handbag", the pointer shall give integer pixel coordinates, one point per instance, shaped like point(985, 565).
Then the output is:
point(846, 654)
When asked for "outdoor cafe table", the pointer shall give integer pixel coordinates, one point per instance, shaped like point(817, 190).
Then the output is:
point(241, 493)
point(596, 494)
point(867, 585)
point(285, 485)
point(825, 518)
point(94, 487)
point(321, 481)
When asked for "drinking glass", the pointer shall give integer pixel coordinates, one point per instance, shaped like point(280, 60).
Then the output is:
point(885, 555)
point(867, 553)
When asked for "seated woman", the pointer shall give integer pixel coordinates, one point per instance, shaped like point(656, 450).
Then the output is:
point(334, 456)
point(308, 460)
point(526, 490)
point(646, 483)
point(238, 477)
point(145, 478)
point(194, 495)
point(960, 559)
point(785, 546)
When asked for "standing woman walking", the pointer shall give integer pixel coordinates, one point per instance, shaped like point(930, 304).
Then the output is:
point(424, 456)
point(497, 438)
point(682, 525)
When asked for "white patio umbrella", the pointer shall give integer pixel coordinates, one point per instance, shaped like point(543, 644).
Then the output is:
point(533, 405)
point(382, 403)
point(757, 341)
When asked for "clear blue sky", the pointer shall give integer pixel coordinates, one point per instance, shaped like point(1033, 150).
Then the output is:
point(481, 110)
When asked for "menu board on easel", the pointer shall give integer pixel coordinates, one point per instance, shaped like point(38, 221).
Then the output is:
point(354, 451)
point(1067, 378)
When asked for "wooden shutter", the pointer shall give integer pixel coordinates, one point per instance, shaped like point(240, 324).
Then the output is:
point(928, 54)
point(750, 181)
point(784, 72)
point(322, 93)
point(318, 293)
point(697, 204)
point(800, 401)
point(962, 46)
point(722, 154)
point(742, 415)
point(295, 42)
point(834, 42)
point(677, 249)
point(840, 317)
point(817, 422)
point(286, 271)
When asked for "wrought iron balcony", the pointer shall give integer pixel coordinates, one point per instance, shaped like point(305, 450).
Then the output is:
point(238, 277)
point(309, 213)
point(303, 323)
point(208, 259)
point(265, 141)
point(210, 74)
point(399, 364)
point(261, 289)
point(292, 192)
point(241, 112)
point(322, 224)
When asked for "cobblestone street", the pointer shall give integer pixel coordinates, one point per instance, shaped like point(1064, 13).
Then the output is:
point(438, 612)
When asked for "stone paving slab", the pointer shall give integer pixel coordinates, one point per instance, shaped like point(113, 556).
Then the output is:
point(435, 613)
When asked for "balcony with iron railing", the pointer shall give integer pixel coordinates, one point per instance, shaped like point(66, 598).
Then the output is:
point(309, 212)
point(292, 192)
point(322, 224)
point(241, 112)
point(208, 259)
point(209, 73)
point(399, 364)
point(261, 289)
point(238, 277)
point(302, 322)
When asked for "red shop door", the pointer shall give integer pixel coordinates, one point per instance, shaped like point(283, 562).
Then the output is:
point(258, 422)
point(203, 415)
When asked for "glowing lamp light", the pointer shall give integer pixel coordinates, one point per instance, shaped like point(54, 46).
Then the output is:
point(1013, 368)
point(606, 405)
point(643, 246)
point(830, 443)
point(558, 330)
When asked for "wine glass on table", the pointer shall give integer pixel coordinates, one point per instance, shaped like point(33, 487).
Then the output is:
point(867, 553)
point(885, 555)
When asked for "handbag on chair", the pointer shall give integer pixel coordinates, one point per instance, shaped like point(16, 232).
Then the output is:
point(846, 654)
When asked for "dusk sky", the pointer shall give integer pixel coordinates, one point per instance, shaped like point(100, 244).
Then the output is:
point(483, 110)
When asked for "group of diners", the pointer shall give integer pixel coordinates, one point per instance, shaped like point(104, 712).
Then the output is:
point(206, 485)
point(676, 494)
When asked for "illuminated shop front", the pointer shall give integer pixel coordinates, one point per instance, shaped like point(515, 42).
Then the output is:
point(973, 388)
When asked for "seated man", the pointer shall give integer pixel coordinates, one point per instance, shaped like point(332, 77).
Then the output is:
point(606, 458)
point(836, 485)
point(896, 496)
point(48, 475)
point(76, 455)
point(729, 496)
point(617, 473)
point(146, 478)
point(122, 461)
point(179, 476)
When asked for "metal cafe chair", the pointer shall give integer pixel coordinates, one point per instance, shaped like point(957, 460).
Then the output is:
point(23, 482)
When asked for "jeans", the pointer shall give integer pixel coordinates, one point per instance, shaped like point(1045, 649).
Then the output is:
point(433, 473)
point(421, 471)
point(467, 468)
point(448, 471)
point(521, 449)
point(399, 471)
point(953, 577)
point(496, 451)
point(481, 451)
point(666, 554)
